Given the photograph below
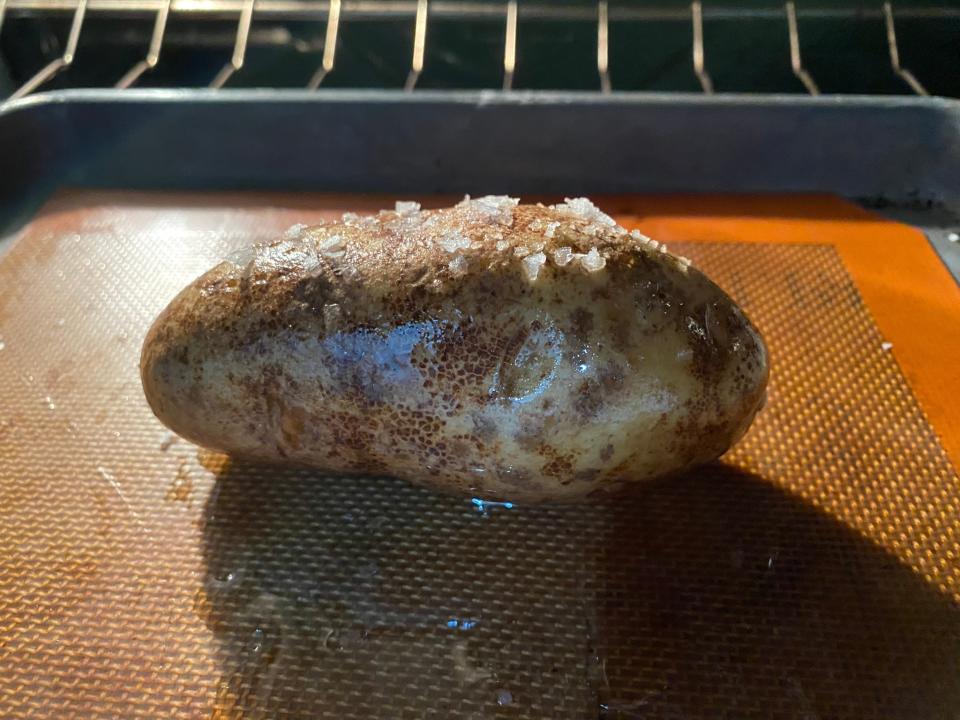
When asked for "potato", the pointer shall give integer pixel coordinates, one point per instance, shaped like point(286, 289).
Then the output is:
point(505, 351)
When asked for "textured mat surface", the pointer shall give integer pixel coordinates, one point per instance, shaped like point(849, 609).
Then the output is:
point(813, 574)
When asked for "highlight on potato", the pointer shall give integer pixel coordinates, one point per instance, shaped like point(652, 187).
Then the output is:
point(512, 352)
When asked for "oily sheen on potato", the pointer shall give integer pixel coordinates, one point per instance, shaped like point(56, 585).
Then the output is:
point(506, 351)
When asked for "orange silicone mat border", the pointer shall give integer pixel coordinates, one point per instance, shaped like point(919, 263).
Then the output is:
point(909, 292)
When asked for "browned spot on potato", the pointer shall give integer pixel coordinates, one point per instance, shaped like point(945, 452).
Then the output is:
point(582, 322)
point(292, 424)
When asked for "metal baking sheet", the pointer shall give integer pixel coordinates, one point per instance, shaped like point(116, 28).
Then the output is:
point(898, 149)
point(812, 573)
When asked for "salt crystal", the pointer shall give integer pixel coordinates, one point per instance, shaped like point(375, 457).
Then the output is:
point(535, 226)
point(294, 231)
point(496, 207)
point(654, 245)
point(886, 346)
point(639, 237)
point(551, 229)
point(350, 217)
point(453, 241)
point(332, 247)
point(593, 261)
point(685, 261)
point(458, 266)
point(583, 208)
point(502, 245)
point(521, 251)
point(562, 256)
point(663, 247)
point(405, 209)
point(532, 265)
point(243, 256)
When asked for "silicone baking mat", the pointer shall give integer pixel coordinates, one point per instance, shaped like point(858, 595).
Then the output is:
point(813, 573)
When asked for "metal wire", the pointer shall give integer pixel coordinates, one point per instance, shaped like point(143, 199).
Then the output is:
point(699, 65)
point(901, 71)
point(61, 62)
point(603, 40)
point(239, 47)
point(510, 45)
point(796, 63)
point(153, 52)
point(419, 46)
point(329, 46)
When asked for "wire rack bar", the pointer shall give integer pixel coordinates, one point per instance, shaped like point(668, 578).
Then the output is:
point(898, 69)
point(512, 12)
point(61, 62)
point(153, 52)
point(239, 47)
point(796, 63)
point(699, 62)
point(379, 9)
point(510, 45)
point(329, 46)
point(603, 42)
point(419, 46)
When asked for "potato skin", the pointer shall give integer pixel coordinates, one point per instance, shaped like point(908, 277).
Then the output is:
point(520, 353)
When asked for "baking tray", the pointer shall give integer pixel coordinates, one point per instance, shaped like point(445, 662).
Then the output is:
point(899, 153)
point(813, 572)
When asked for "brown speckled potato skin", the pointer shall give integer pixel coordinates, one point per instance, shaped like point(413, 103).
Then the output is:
point(419, 345)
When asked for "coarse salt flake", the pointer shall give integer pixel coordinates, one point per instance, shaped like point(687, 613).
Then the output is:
point(593, 261)
point(532, 264)
point(453, 241)
point(551, 229)
point(502, 245)
point(496, 207)
point(562, 256)
point(294, 231)
point(583, 208)
point(332, 247)
point(458, 266)
point(405, 209)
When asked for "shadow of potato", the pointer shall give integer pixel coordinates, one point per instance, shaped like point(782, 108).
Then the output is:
point(711, 595)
